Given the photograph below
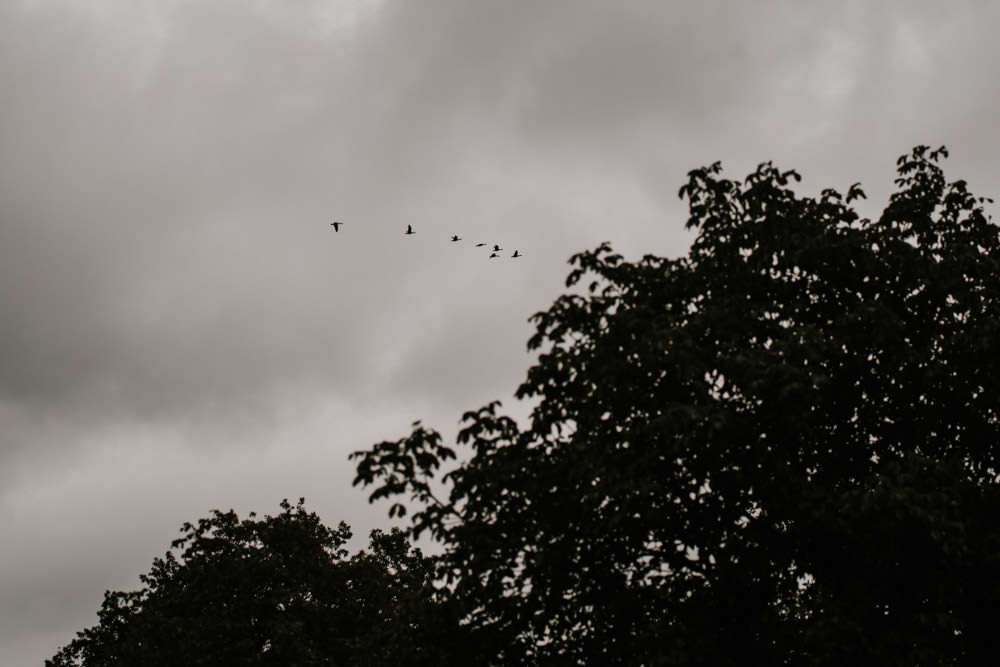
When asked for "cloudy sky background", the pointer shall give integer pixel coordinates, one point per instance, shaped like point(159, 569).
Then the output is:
point(182, 330)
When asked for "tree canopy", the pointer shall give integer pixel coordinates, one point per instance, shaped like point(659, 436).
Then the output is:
point(781, 448)
point(276, 591)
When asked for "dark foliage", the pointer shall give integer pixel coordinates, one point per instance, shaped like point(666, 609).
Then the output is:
point(779, 449)
point(274, 591)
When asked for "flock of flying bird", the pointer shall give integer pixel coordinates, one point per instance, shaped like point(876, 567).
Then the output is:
point(454, 238)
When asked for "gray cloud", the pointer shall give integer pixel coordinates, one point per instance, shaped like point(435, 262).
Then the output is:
point(182, 329)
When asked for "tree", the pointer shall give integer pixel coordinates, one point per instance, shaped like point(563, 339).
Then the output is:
point(274, 591)
point(779, 449)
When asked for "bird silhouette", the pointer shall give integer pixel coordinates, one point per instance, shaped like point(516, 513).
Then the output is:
point(496, 248)
point(494, 255)
point(516, 254)
point(409, 230)
point(336, 226)
point(455, 238)
point(480, 245)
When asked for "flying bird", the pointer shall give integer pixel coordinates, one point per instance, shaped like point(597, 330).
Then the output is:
point(336, 226)
point(455, 238)
point(494, 255)
point(516, 254)
point(480, 245)
point(496, 248)
point(409, 230)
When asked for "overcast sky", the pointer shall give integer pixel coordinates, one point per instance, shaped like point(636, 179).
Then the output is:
point(181, 329)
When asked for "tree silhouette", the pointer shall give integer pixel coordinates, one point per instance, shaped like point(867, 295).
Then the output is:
point(781, 448)
point(274, 591)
